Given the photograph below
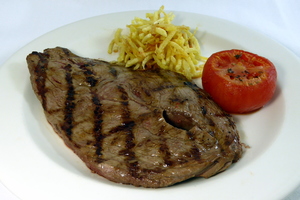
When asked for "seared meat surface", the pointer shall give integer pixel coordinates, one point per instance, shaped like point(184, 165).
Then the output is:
point(145, 128)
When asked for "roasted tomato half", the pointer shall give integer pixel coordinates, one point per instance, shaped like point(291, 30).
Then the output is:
point(239, 81)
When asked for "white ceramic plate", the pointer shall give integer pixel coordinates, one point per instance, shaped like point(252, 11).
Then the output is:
point(35, 164)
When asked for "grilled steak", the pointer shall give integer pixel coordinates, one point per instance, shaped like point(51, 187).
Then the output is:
point(145, 128)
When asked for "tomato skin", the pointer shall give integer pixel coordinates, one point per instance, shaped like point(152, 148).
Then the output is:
point(239, 81)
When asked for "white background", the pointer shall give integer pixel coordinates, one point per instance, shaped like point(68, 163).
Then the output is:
point(23, 21)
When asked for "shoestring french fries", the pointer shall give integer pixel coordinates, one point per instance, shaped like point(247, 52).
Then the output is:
point(156, 42)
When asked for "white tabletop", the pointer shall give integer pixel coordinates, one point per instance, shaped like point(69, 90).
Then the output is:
point(23, 21)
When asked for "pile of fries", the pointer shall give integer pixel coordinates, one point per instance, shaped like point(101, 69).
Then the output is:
point(158, 42)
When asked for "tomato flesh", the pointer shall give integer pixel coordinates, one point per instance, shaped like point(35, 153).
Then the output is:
point(239, 81)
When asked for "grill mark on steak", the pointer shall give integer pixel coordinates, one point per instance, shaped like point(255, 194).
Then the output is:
point(194, 87)
point(98, 127)
point(89, 75)
point(195, 153)
point(128, 153)
point(163, 87)
point(204, 110)
point(91, 81)
point(41, 76)
point(150, 129)
point(164, 149)
point(127, 127)
point(98, 112)
point(113, 71)
point(190, 135)
point(69, 103)
point(66, 51)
